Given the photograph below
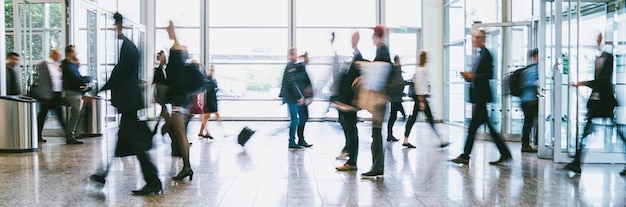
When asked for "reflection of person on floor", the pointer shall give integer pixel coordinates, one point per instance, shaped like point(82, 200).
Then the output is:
point(601, 102)
point(347, 109)
point(421, 82)
point(134, 137)
point(209, 102)
point(294, 93)
point(74, 87)
point(47, 90)
point(480, 95)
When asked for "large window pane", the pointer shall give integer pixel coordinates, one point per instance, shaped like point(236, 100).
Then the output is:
point(185, 13)
point(345, 13)
point(55, 12)
point(8, 13)
point(404, 13)
point(456, 105)
point(131, 9)
point(486, 11)
point(317, 43)
point(248, 45)
point(251, 81)
point(524, 10)
point(9, 42)
point(242, 13)
point(454, 59)
point(454, 22)
point(187, 37)
point(405, 46)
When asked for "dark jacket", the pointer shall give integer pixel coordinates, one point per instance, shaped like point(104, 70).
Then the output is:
point(210, 95)
point(176, 64)
point(72, 81)
point(602, 100)
point(13, 82)
point(159, 76)
point(382, 54)
point(346, 93)
point(41, 89)
point(291, 90)
point(396, 95)
point(480, 90)
point(126, 94)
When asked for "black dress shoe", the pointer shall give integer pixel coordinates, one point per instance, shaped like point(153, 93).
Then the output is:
point(304, 143)
point(408, 145)
point(502, 160)
point(460, 160)
point(573, 167)
point(391, 138)
point(443, 145)
point(98, 178)
point(73, 142)
point(372, 175)
point(623, 172)
point(147, 190)
point(42, 140)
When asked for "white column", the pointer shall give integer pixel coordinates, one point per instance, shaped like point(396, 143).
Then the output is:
point(432, 42)
point(150, 6)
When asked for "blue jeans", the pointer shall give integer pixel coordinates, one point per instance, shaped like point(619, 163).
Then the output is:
point(294, 121)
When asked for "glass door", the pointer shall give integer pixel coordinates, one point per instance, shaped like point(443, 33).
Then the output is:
point(39, 29)
point(508, 44)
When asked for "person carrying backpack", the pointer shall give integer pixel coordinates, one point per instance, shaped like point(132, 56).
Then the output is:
point(528, 85)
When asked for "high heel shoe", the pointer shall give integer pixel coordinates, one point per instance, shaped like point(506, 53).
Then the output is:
point(183, 174)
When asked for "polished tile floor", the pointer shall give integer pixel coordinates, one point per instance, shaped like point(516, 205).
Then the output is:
point(265, 173)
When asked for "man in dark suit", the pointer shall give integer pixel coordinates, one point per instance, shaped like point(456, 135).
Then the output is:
point(480, 95)
point(73, 88)
point(601, 103)
point(343, 101)
point(134, 137)
point(47, 90)
point(13, 74)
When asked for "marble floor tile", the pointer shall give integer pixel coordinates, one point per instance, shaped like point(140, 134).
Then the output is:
point(265, 173)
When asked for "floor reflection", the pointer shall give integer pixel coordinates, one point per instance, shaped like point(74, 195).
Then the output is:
point(265, 173)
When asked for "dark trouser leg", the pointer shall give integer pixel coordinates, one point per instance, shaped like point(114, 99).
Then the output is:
point(293, 123)
point(429, 117)
point(401, 109)
point(58, 111)
point(44, 107)
point(351, 133)
point(619, 131)
point(530, 115)
point(342, 123)
point(149, 171)
point(479, 116)
point(303, 116)
point(412, 119)
point(393, 116)
point(497, 138)
point(579, 149)
point(378, 154)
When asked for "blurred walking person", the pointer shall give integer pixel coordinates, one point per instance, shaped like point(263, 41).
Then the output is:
point(480, 95)
point(343, 101)
point(395, 98)
point(294, 95)
point(133, 137)
point(13, 77)
point(209, 103)
point(421, 81)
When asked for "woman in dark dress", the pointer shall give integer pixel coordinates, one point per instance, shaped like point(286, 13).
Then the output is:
point(210, 103)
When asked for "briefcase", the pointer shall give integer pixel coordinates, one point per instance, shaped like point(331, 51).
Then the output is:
point(244, 136)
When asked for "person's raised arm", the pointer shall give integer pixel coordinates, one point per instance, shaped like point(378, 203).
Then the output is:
point(172, 35)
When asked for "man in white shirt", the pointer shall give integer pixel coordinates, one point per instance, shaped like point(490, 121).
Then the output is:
point(47, 89)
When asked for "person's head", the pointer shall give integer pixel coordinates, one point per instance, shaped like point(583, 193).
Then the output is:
point(598, 37)
point(293, 54)
point(211, 70)
point(70, 53)
point(396, 60)
point(54, 55)
point(422, 58)
point(118, 24)
point(161, 57)
point(379, 34)
point(533, 55)
point(478, 38)
point(355, 39)
point(12, 59)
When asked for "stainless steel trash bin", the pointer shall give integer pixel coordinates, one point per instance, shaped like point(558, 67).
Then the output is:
point(18, 130)
point(91, 121)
